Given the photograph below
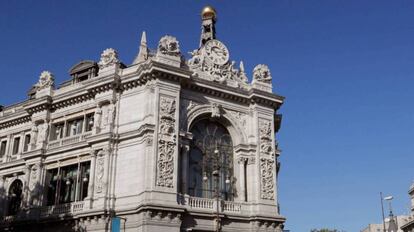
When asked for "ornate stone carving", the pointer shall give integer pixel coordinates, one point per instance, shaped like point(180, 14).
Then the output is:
point(33, 136)
point(265, 133)
point(215, 110)
point(42, 134)
point(261, 73)
point(241, 118)
point(166, 143)
point(191, 105)
point(149, 141)
point(162, 216)
point(100, 171)
point(267, 166)
point(251, 160)
point(34, 177)
point(211, 62)
point(46, 80)
point(168, 45)
point(242, 160)
point(97, 118)
point(266, 174)
point(109, 57)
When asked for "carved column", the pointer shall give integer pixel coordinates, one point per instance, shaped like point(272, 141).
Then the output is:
point(242, 174)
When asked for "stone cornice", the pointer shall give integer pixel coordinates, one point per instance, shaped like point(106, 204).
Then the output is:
point(409, 224)
point(16, 120)
point(37, 105)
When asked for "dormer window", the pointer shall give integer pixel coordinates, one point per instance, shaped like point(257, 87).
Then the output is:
point(83, 71)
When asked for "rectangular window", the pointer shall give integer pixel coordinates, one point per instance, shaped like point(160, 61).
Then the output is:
point(74, 127)
point(68, 184)
point(89, 122)
point(16, 144)
point(3, 148)
point(26, 142)
point(56, 131)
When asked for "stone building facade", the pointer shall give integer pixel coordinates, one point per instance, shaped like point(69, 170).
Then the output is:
point(408, 225)
point(167, 143)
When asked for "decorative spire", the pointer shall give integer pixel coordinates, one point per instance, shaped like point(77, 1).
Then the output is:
point(208, 30)
point(143, 50)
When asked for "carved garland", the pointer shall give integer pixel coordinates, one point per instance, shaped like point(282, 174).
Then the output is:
point(166, 143)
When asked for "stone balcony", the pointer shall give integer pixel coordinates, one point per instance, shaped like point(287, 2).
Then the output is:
point(69, 140)
point(52, 211)
point(63, 209)
point(212, 205)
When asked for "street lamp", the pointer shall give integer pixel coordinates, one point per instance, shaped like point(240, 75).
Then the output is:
point(392, 227)
point(216, 163)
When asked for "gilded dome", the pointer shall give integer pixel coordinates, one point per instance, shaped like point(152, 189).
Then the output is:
point(208, 12)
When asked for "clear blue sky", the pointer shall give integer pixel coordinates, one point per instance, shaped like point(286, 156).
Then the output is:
point(345, 67)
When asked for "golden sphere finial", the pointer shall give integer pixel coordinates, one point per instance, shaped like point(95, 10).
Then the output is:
point(208, 12)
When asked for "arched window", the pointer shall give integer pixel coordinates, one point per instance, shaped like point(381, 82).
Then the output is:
point(15, 197)
point(211, 161)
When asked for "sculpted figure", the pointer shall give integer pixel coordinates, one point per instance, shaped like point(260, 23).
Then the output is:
point(215, 110)
point(43, 131)
point(109, 57)
point(33, 135)
point(169, 45)
point(261, 73)
point(46, 80)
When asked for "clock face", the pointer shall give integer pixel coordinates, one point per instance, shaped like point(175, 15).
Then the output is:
point(216, 51)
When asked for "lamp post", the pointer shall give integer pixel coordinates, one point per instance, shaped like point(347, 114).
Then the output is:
point(382, 208)
point(216, 163)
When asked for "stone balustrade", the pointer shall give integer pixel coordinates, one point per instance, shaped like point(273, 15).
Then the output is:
point(69, 140)
point(211, 204)
point(68, 208)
